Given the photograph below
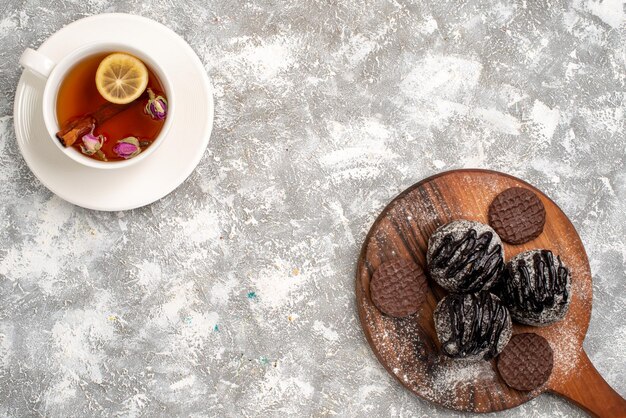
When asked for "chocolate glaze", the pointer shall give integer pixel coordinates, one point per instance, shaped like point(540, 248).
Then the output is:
point(471, 251)
point(536, 292)
point(478, 329)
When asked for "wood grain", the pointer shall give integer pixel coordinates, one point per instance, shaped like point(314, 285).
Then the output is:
point(409, 349)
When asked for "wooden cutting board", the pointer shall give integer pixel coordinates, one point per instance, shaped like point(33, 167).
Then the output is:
point(409, 349)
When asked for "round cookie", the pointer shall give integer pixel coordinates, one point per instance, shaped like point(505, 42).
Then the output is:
point(517, 215)
point(465, 256)
point(535, 287)
point(526, 362)
point(472, 326)
point(398, 287)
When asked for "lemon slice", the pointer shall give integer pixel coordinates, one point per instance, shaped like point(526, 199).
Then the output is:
point(121, 78)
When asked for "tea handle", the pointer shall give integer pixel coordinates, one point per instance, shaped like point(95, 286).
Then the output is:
point(37, 62)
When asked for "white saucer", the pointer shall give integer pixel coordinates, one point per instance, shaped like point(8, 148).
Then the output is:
point(149, 180)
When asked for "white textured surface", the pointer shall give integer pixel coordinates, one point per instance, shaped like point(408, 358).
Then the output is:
point(234, 295)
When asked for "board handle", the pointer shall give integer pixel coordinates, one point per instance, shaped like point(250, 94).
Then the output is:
point(589, 390)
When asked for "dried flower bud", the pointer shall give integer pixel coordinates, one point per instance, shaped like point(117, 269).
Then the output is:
point(91, 143)
point(127, 147)
point(156, 107)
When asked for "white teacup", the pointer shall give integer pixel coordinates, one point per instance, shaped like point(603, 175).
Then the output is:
point(55, 73)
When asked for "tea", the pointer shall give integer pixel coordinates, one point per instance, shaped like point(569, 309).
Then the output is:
point(82, 111)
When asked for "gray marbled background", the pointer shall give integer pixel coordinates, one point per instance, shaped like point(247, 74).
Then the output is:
point(233, 296)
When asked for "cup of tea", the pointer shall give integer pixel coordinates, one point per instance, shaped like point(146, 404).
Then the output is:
point(105, 105)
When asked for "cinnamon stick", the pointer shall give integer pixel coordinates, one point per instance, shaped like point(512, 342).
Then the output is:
point(75, 129)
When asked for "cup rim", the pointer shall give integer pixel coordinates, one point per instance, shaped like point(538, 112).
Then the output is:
point(51, 90)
